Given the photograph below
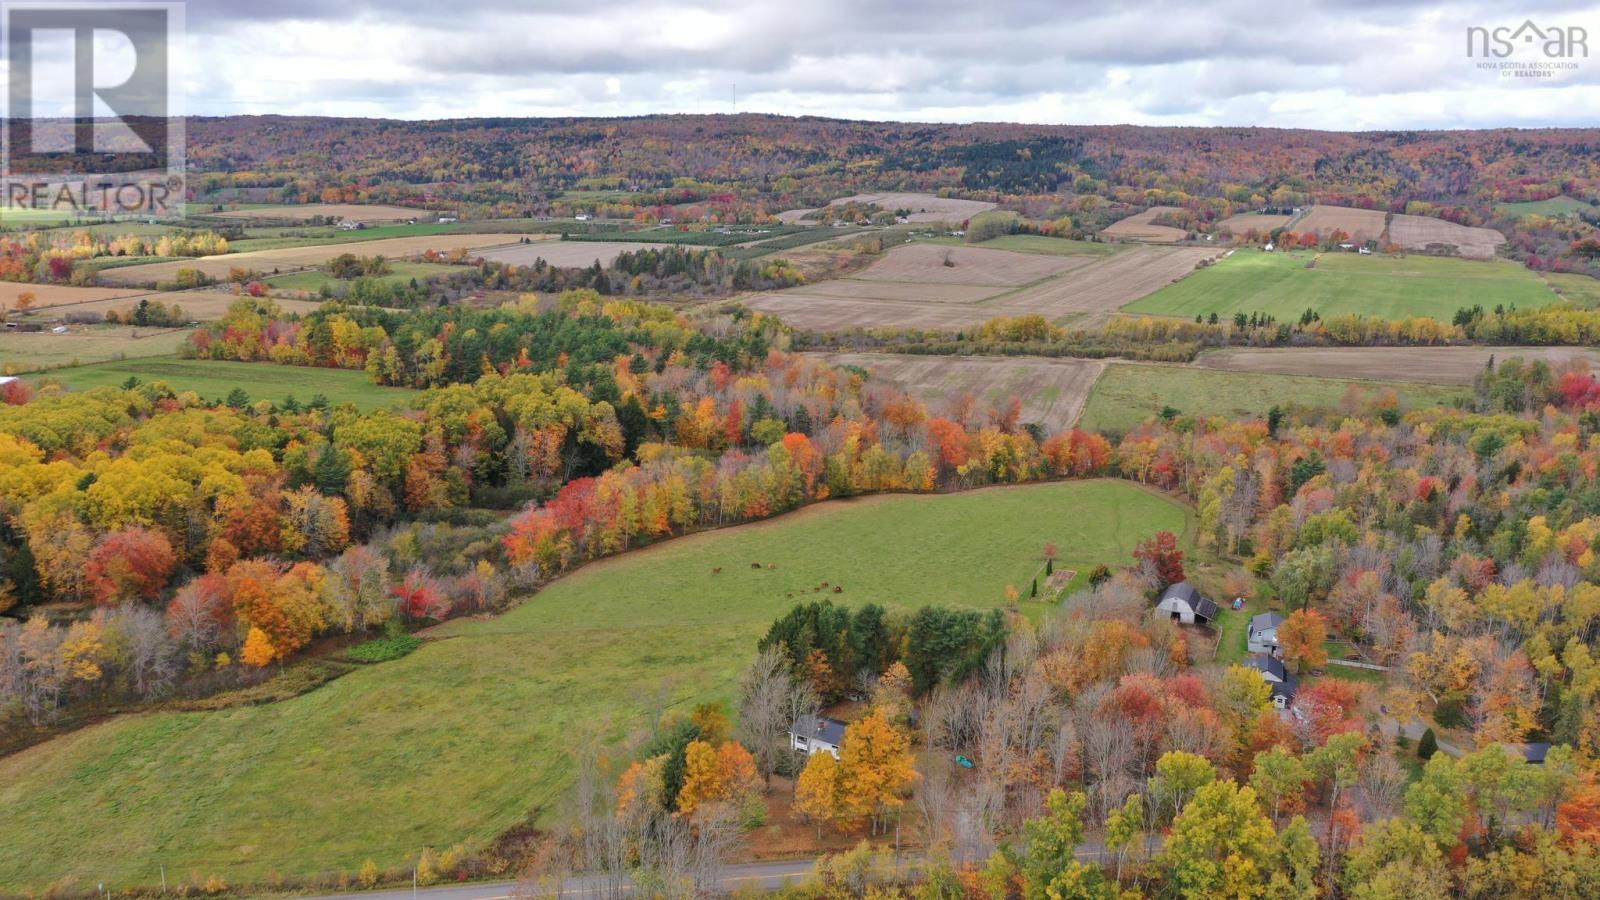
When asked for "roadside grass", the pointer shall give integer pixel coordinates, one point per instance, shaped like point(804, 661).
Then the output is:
point(475, 731)
point(1127, 395)
point(1382, 287)
point(214, 379)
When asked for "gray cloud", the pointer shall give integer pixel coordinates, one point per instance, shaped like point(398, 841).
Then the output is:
point(1346, 64)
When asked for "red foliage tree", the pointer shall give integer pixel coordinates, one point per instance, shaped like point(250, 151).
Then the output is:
point(421, 597)
point(133, 563)
point(1161, 551)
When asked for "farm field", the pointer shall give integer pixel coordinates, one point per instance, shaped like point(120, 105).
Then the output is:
point(470, 734)
point(214, 379)
point(1435, 365)
point(568, 253)
point(1281, 285)
point(1360, 224)
point(935, 264)
point(349, 212)
point(924, 207)
point(1052, 391)
point(312, 281)
point(1137, 227)
point(301, 257)
point(199, 306)
point(1579, 290)
point(48, 295)
point(1555, 206)
point(1261, 222)
point(1418, 232)
point(26, 352)
point(1129, 394)
point(912, 288)
point(1034, 243)
point(1089, 295)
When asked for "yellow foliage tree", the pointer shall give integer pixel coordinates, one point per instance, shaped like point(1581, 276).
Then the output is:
point(878, 765)
point(716, 774)
point(258, 650)
point(817, 792)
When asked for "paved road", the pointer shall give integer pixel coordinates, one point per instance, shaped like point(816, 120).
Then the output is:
point(765, 876)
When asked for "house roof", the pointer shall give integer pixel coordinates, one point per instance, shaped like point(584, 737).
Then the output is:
point(1534, 753)
point(820, 728)
point(1196, 601)
point(1268, 665)
point(1262, 621)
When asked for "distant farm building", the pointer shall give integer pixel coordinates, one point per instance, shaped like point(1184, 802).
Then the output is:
point(1184, 603)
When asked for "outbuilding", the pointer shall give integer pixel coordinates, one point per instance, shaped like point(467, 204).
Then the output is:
point(1184, 603)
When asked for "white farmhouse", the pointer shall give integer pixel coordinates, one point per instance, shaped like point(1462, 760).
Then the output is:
point(1263, 637)
point(817, 734)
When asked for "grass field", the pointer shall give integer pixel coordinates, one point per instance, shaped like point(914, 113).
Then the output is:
point(1128, 395)
point(1036, 243)
point(470, 734)
point(1579, 290)
point(214, 379)
point(267, 238)
point(1280, 285)
point(399, 273)
point(26, 352)
point(1555, 206)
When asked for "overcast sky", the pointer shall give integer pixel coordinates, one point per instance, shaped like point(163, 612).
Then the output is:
point(1354, 64)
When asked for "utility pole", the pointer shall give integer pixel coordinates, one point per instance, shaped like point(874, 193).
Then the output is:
point(163, 879)
point(413, 881)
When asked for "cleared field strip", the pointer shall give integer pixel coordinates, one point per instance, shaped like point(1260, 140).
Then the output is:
point(1261, 222)
point(923, 207)
point(912, 288)
point(200, 306)
point(1128, 394)
point(27, 351)
point(1434, 365)
point(290, 258)
point(939, 264)
point(349, 212)
point(1418, 232)
point(567, 253)
point(47, 295)
point(1360, 224)
point(1053, 391)
point(1137, 227)
point(1106, 286)
point(1284, 285)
